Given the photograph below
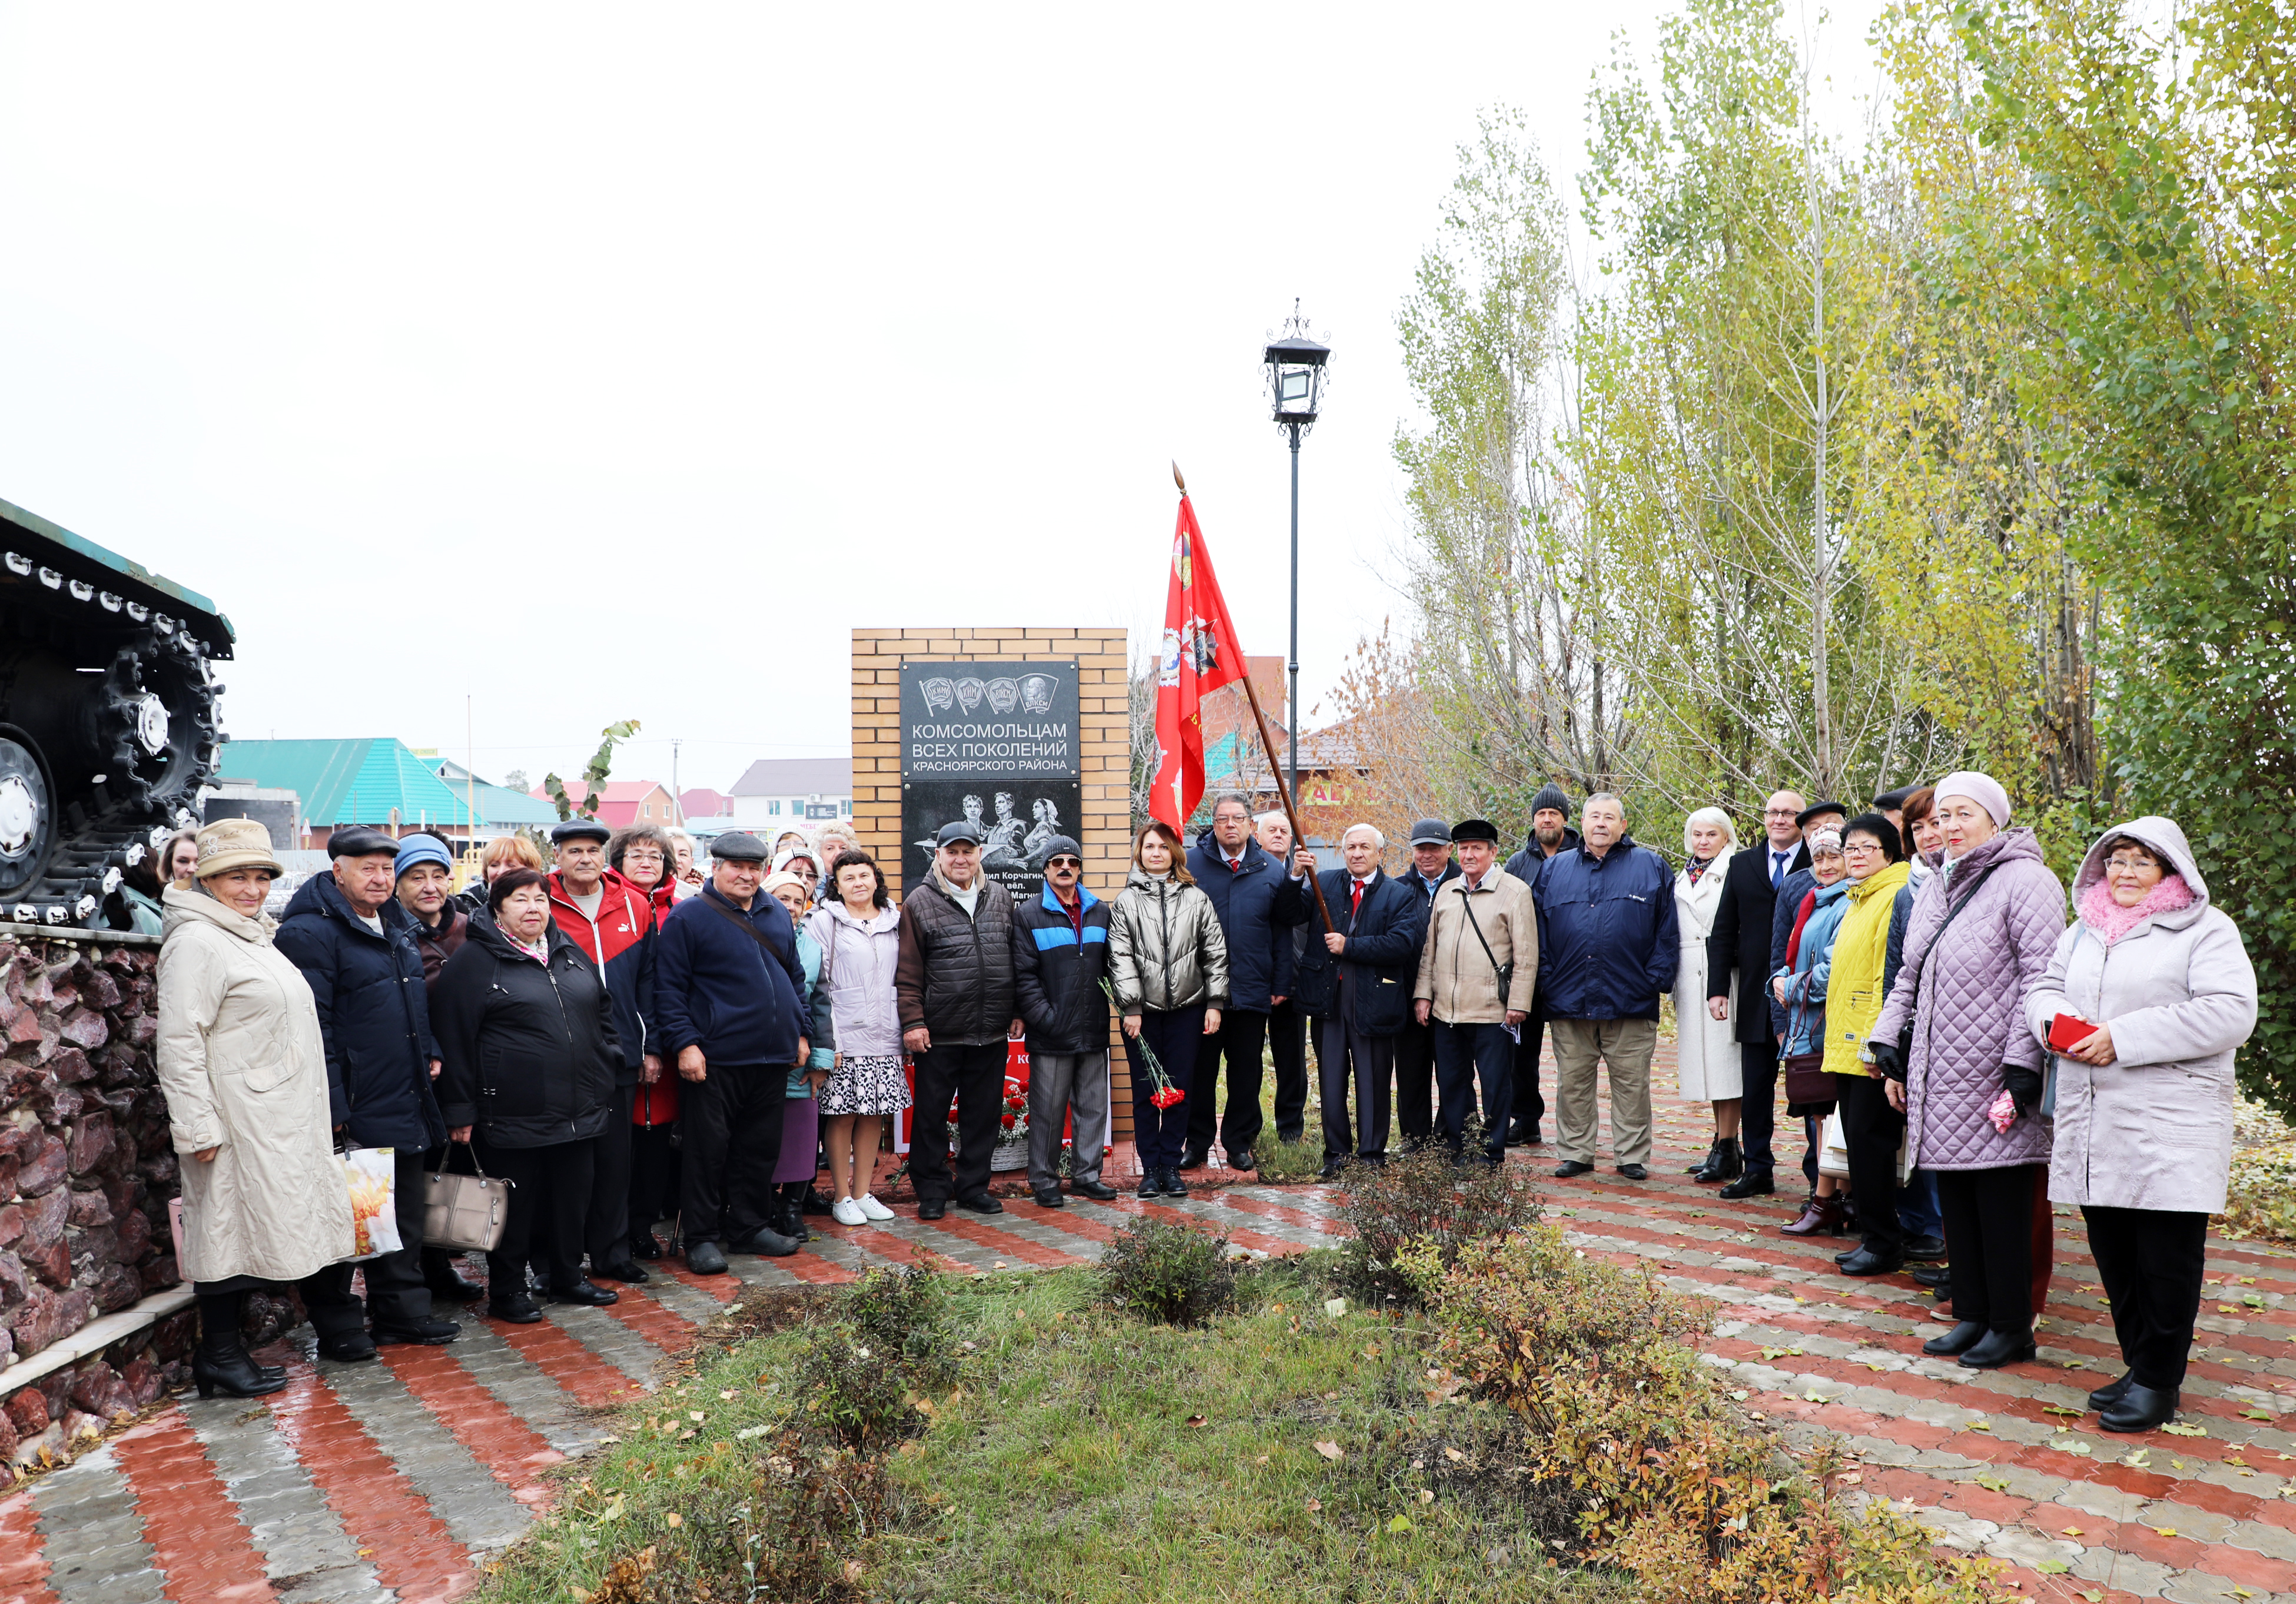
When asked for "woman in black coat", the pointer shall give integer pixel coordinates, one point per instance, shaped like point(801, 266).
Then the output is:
point(528, 1037)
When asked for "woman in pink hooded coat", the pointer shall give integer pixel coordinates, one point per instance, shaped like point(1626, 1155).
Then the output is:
point(2164, 994)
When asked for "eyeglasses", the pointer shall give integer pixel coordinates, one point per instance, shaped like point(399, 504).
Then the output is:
point(1863, 847)
point(1065, 863)
point(1780, 812)
point(2130, 866)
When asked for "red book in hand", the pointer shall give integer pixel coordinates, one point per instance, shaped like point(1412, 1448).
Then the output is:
point(2068, 1031)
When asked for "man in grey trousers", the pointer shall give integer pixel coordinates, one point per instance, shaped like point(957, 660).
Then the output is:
point(1059, 956)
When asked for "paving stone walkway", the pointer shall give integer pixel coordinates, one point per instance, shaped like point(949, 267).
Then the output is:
point(397, 1480)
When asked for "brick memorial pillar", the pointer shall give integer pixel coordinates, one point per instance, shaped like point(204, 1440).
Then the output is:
point(1029, 725)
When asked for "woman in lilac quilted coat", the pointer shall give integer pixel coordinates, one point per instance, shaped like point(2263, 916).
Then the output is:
point(2144, 1093)
point(1964, 1065)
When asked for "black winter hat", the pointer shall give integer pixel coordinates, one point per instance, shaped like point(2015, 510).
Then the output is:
point(1551, 796)
point(1475, 829)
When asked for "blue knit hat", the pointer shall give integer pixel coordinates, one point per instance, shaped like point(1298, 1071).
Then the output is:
point(421, 849)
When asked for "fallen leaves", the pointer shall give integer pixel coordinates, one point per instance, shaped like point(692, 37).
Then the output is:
point(2180, 1429)
point(1332, 1451)
point(1196, 1419)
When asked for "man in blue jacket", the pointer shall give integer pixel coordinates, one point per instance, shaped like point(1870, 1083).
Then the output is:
point(354, 944)
point(729, 1003)
point(1257, 904)
point(1607, 951)
point(1060, 956)
point(1356, 983)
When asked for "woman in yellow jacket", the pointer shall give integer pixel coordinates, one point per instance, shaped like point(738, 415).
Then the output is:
point(1875, 858)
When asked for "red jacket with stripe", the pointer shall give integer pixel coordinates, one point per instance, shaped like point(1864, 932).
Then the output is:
point(620, 942)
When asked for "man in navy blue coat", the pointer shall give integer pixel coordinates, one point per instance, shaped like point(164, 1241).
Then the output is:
point(729, 1004)
point(1355, 983)
point(354, 944)
point(1607, 951)
point(1257, 904)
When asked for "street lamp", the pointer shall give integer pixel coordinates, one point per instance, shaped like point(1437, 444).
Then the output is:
point(1295, 378)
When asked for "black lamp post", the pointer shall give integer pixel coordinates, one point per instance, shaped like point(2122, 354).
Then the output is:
point(1295, 375)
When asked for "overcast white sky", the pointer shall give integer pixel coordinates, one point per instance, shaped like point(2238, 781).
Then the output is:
point(603, 363)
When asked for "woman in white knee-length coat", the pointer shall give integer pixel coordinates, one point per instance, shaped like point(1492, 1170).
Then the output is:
point(1706, 1049)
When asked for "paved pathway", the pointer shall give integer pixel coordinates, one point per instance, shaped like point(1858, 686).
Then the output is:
point(399, 1479)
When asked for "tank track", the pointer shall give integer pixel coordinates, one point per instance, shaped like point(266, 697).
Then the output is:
point(83, 870)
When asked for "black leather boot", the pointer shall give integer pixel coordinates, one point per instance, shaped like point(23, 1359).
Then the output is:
point(220, 1363)
point(2012, 1347)
point(1727, 1163)
point(1697, 1172)
point(2140, 1408)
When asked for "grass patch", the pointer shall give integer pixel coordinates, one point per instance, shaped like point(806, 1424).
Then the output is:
point(1077, 1454)
point(1290, 1163)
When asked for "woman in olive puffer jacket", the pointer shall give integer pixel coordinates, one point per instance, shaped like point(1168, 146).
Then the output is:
point(1167, 966)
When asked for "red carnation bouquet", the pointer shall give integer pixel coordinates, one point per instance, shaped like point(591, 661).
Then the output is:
point(1165, 1095)
point(1016, 1106)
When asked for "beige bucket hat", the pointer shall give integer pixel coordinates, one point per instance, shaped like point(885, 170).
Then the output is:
point(230, 843)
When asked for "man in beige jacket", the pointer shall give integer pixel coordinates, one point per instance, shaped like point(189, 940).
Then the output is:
point(1476, 971)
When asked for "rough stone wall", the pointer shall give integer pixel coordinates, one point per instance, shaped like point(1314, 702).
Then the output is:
point(85, 1173)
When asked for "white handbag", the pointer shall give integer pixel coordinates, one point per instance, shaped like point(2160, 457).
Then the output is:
point(1833, 1152)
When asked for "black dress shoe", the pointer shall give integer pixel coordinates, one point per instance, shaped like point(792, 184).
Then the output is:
point(352, 1347)
point(770, 1243)
point(980, 1203)
point(517, 1311)
point(422, 1334)
point(1050, 1198)
point(583, 1292)
point(1151, 1182)
point(1174, 1186)
point(627, 1272)
point(1243, 1160)
point(931, 1208)
point(1331, 1171)
point(1570, 1167)
point(1867, 1262)
point(1962, 1337)
point(1192, 1158)
point(817, 1202)
point(1848, 1253)
point(1932, 1275)
point(2006, 1347)
point(2111, 1393)
point(645, 1245)
point(1926, 1250)
point(705, 1258)
point(1097, 1190)
point(1520, 1135)
point(456, 1289)
point(1634, 1171)
point(2140, 1408)
point(1753, 1184)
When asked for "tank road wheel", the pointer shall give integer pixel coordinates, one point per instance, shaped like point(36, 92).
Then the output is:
point(27, 819)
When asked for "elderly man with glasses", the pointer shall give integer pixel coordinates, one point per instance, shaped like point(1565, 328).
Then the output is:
point(1059, 956)
point(1740, 943)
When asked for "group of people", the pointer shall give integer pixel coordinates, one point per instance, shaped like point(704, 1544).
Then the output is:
point(628, 1041)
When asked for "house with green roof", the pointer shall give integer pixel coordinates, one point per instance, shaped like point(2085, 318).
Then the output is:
point(377, 781)
point(501, 809)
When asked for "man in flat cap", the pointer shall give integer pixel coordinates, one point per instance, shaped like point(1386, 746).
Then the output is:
point(953, 987)
point(1059, 956)
point(612, 922)
point(1476, 971)
point(730, 1007)
point(1550, 833)
point(1432, 868)
point(354, 944)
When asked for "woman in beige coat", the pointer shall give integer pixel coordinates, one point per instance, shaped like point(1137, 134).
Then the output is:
point(2164, 994)
point(1168, 967)
point(245, 1075)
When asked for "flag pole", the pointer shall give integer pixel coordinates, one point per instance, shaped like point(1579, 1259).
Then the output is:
point(1267, 747)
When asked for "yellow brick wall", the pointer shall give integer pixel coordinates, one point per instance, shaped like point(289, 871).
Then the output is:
point(1102, 660)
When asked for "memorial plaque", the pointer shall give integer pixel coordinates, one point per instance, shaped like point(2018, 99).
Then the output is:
point(999, 744)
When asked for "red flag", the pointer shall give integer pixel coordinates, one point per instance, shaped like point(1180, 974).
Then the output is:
point(1200, 654)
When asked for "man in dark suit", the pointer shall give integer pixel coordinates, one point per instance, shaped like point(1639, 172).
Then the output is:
point(1740, 941)
point(1357, 985)
point(1431, 865)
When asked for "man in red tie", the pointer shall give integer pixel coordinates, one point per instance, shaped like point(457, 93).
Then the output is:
point(1356, 983)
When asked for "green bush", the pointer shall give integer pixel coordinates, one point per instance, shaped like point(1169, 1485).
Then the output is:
point(1423, 1200)
point(891, 1338)
point(1166, 1272)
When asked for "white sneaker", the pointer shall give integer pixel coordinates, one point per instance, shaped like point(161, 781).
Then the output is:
point(873, 1209)
point(846, 1212)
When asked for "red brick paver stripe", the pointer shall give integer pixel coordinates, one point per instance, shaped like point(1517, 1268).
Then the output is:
point(650, 1319)
point(586, 1377)
point(23, 1561)
point(895, 1250)
point(413, 1552)
point(1283, 1212)
point(814, 1268)
point(985, 1233)
point(724, 1288)
point(495, 1437)
point(1239, 1235)
point(1076, 1224)
point(198, 1541)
